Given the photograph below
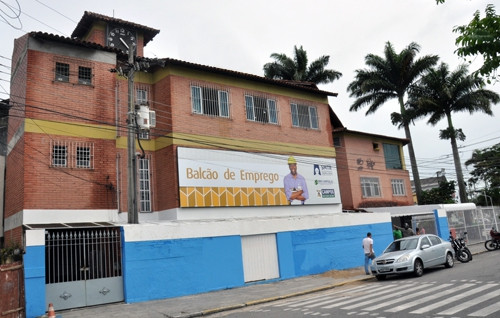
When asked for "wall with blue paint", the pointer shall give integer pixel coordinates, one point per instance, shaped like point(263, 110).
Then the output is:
point(177, 267)
point(173, 268)
point(34, 274)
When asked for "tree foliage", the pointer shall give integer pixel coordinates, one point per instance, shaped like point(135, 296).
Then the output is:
point(481, 37)
point(390, 77)
point(440, 195)
point(297, 68)
point(441, 92)
point(486, 166)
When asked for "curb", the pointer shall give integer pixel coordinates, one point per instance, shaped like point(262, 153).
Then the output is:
point(269, 299)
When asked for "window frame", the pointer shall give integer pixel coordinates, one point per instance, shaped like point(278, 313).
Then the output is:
point(391, 151)
point(84, 75)
point(371, 185)
point(144, 184)
point(200, 102)
point(299, 119)
point(72, 154)
point(398, 187)
point(62, 72)
point(271, 109)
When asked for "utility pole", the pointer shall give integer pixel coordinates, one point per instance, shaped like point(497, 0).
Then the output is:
point(133, 217)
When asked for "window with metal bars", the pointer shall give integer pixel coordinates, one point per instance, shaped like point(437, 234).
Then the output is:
point(210, 101)
point(72, 154)
point(144, 184)
point(84, 75)
point(59, 156)
point(304, 116)
point(141, 96)
point(62, 72)
point(261, 109)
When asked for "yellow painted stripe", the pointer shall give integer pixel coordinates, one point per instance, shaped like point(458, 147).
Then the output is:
point(66, 129)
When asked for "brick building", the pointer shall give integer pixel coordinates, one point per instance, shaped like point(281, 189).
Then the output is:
point(213, 150)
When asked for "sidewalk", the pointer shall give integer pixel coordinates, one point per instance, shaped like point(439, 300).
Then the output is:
point(217, 301)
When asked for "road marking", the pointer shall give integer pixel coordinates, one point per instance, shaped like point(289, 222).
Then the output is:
point(410, 296)
point(428, 298)
point(449, 300)
point(470, 303)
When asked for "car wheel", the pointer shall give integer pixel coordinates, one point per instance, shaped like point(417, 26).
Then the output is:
point(380, 277)
point(449, 261)
point(418, 268)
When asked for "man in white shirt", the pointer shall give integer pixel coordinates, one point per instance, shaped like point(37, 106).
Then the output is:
point(368, 250)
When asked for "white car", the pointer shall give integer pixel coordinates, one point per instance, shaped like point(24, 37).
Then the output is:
point(412, 254)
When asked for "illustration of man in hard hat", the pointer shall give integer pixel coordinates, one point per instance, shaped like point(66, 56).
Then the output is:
point(295, 184)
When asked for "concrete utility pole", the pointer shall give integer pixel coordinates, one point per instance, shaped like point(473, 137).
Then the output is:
point(133, 217)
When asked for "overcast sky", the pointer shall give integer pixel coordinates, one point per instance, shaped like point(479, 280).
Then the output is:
point(241, 35)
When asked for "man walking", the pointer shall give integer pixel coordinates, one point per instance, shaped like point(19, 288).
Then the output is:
point(368, 250)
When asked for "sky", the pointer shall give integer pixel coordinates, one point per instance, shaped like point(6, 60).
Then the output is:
point(241, 35)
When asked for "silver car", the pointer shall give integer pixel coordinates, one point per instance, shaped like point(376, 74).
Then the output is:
point(413, 254)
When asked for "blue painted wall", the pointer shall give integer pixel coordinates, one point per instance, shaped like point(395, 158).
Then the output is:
point(34, 280)
point(321, 250)
point(173, 268)
point(442, 226)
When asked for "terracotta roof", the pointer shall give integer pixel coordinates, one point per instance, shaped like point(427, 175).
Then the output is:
point(405, 141)
point(291, 84)
point(158, 63)
point(90, 17)
point(77, 42)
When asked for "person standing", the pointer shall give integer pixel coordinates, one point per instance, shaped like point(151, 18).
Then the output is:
point(295, 185)
point(368, 250)
point(407, 230)
point(396, 233)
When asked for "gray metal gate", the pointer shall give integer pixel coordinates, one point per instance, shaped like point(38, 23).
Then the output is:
point(83, 267)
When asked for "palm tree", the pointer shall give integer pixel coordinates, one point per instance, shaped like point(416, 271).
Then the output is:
point(440, 93)
point(296, 69)
point(390, 77)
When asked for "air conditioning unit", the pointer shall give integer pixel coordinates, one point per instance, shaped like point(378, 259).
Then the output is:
point(146, 118)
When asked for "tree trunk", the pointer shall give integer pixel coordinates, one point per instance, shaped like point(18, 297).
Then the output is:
point(458, 169)
point(414, 167)
point(413, 159)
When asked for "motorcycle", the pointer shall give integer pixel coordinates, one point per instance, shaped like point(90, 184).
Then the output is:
point(494, 242)
point(462, 252)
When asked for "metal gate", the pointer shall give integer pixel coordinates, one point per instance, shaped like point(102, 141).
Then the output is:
point(83, 267)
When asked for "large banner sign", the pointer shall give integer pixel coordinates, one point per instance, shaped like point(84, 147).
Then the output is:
point(215, 178)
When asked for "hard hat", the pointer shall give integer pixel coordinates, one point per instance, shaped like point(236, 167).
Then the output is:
point(291, 160)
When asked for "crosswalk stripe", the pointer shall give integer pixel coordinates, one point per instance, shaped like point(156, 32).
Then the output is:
point(486, 310)
point(409, 296)
point(431, 297)
point(390, 289)
point(470, 303)
point(378, 299)
point(327, 296)
point(452, 299)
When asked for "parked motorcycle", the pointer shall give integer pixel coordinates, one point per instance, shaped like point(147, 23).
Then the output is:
point(462, 252)
point(494, 242)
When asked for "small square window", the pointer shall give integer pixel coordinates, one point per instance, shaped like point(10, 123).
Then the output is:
point(62, 72)
point(59, 156)
point(82, 157)
point(84, 75)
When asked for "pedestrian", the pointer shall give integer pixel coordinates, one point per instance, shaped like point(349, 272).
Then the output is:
point(397, 233)
point(368, 250)
point(407, 230)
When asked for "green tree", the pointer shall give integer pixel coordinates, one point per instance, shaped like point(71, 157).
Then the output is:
point(439, 93)
point(390, 77)
point(296, 68)
point(481, 37)
point(486, 166)
point(440, 195)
